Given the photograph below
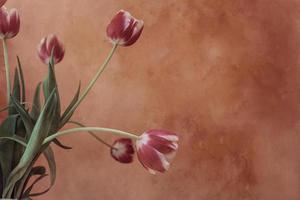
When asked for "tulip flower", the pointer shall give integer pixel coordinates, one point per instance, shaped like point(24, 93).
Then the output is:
point(2, 2)
point(155, 149)
point(122, 150)
point(51, 45)
point(9, 23)
point(124, 29)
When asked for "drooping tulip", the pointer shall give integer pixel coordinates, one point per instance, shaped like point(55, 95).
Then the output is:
point(51, 44)
point(122, 150)
point(124, 29)
point(155, 149)
point(9, 23)
point(2, 2)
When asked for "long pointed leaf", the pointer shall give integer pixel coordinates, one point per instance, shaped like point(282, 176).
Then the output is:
point(21, 76)
point(40, 131)
point(61, 145)
point(36, 105)
point(65, 118)
point(24, 115)
point(7, 128)
point(16, 93)
point(49, 155)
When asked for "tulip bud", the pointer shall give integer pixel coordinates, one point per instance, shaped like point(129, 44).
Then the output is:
point(122, 150)
point(124, 29)
point(9, 23)
point(2, 2)
point(155, 149)
point(51, 45)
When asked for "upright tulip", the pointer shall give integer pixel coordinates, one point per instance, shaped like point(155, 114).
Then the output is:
point(122, 150)
point(9, 23)
point(155, 149)
point(48, 45)
point(124, 29)
point(2, 2)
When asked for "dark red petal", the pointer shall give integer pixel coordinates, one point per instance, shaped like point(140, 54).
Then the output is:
point(137, 31)
point(122, 150)
point(13, 23)
point(3, 21)
point(164, 134)
point(42, 51)
point(2, 2)
point(161, 144)
point(152, 159)
point(119, 25)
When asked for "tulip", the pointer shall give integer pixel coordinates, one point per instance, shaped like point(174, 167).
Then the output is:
point(9, 23)
point(155, 149)
point(124, 29)
point(122, 150)
point(2, 2)
point(51, 45)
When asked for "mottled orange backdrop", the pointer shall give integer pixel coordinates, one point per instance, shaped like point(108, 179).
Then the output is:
point(225, 75)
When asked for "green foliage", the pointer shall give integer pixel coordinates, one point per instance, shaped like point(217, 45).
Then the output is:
point(23, 131)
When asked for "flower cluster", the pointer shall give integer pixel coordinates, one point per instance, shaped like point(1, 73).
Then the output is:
point(36, 128)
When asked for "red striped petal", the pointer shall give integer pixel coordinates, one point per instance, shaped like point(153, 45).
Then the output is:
point(152, 159)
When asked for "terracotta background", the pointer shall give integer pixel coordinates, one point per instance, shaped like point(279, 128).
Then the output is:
point(223, 74)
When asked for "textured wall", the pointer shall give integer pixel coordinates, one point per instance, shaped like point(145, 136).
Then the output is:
point(223, 74)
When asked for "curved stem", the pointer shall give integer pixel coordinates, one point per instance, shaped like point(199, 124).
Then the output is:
point(93, 81)
point(7, 69)
point(92, 134)
point(95, 129)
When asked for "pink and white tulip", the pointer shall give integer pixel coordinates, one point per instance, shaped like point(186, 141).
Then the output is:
point(2, 2)
point(122, 150)
point(124, 29)
point(9, 23)
point(49, 44)
point(155, 149)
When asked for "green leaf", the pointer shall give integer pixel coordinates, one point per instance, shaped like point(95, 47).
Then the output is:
point(39, 133)
point(65, 118)
point(16, 93)
point(48, 85)
point(23, 99)
point(7, 129)
point(61, 145)
point(24, 115)
point(27, 192)
point(36, 105)
point(37, 170)
point(49, 155)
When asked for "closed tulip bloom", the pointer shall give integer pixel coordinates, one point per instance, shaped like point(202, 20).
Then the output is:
point(155, 149)
point(9, 23)
point(48, 45)
point(124, 29)
point(122, 150)
point(2, 2)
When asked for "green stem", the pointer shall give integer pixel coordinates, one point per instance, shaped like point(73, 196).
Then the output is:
point(92, 134)
point(95, 129)
point(93, 81)
point(7, 69)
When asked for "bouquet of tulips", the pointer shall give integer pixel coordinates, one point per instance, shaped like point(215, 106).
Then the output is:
point(29, 129)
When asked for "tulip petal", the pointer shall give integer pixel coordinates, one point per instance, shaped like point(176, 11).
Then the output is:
point(137, 31)
point(122, 150)
point(162, 145)
point(14, 23)
point(164, 134)
point(124, 29)
point(2, 2)
point(152, 159)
